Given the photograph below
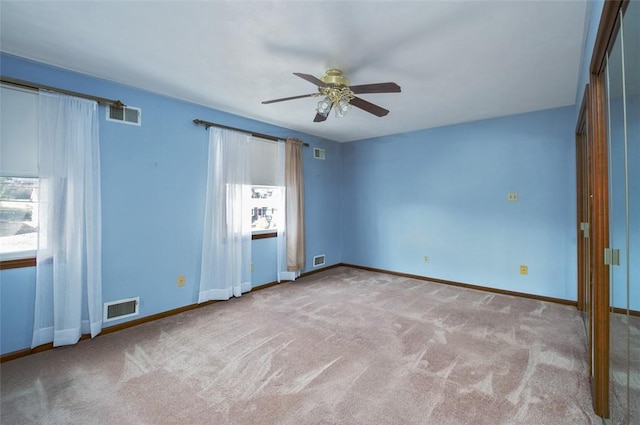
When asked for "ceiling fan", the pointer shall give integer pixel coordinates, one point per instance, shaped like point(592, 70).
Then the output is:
point(338, 93)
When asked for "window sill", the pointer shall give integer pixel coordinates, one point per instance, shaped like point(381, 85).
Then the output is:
point(264, 235)
point(17, 263)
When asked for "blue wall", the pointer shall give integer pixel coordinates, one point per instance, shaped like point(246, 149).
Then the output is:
point(153, 186)
point(17, 298)
point(442, 193)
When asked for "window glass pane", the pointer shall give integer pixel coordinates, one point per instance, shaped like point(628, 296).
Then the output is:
point(264, 208)
point(18, 215)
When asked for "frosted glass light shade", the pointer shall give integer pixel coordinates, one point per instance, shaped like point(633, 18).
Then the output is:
point(324, 106)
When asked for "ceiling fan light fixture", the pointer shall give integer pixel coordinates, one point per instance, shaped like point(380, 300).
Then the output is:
point(324, 106)
point(342, 108)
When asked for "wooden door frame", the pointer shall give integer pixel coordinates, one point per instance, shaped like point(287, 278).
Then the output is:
point(582, 164)
point(583, 215)
point(599, 241)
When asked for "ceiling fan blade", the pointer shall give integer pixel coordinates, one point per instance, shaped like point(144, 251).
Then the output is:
point(266, 102)
point(310, 78)
point(369, 107)
point(319, 117)
point(376, 88)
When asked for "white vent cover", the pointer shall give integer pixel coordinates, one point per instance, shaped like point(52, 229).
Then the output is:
point(318, 153)
point(318, 260)
point(120, 309)
point(126, 114)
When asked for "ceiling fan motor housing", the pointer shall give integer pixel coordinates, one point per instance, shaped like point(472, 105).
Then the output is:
point(335, 77)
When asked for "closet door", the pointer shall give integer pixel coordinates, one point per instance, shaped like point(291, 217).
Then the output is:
point(618, 339)
point(623, 256)
point(630, 30)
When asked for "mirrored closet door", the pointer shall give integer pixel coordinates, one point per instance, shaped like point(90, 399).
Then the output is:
point(622, 78)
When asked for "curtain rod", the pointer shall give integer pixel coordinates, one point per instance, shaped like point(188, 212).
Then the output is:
point(36, 86)
point(208, 124)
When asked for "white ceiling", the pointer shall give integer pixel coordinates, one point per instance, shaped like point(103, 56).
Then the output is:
point(456, 61)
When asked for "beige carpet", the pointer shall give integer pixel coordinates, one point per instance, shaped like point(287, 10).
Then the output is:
point(344, 346)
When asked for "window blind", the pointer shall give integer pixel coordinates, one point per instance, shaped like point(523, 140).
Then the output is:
point(18, 132)
point(264, 162)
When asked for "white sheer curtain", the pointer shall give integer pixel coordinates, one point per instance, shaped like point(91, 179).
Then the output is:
point(226, 247)
point(281, 242)
point(68, 272)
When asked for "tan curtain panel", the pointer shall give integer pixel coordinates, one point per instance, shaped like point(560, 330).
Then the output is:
point(294, 186)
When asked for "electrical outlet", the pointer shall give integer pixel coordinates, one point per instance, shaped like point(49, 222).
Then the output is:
point(512, 196)
point(181, 280)
point(524, 270)
point(426, 258)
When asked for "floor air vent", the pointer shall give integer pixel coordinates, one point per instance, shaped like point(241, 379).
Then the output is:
point(125, 114)
point(120, 309)
point(318, 260)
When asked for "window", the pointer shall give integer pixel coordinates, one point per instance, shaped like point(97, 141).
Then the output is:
point(266, 194)
point(18, 172)
point(18, 216)
point(264, 208)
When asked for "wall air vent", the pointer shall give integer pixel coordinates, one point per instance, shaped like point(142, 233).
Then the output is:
point(120, 309)
point(125, 114)
point(318, 260)
point(318, 153)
